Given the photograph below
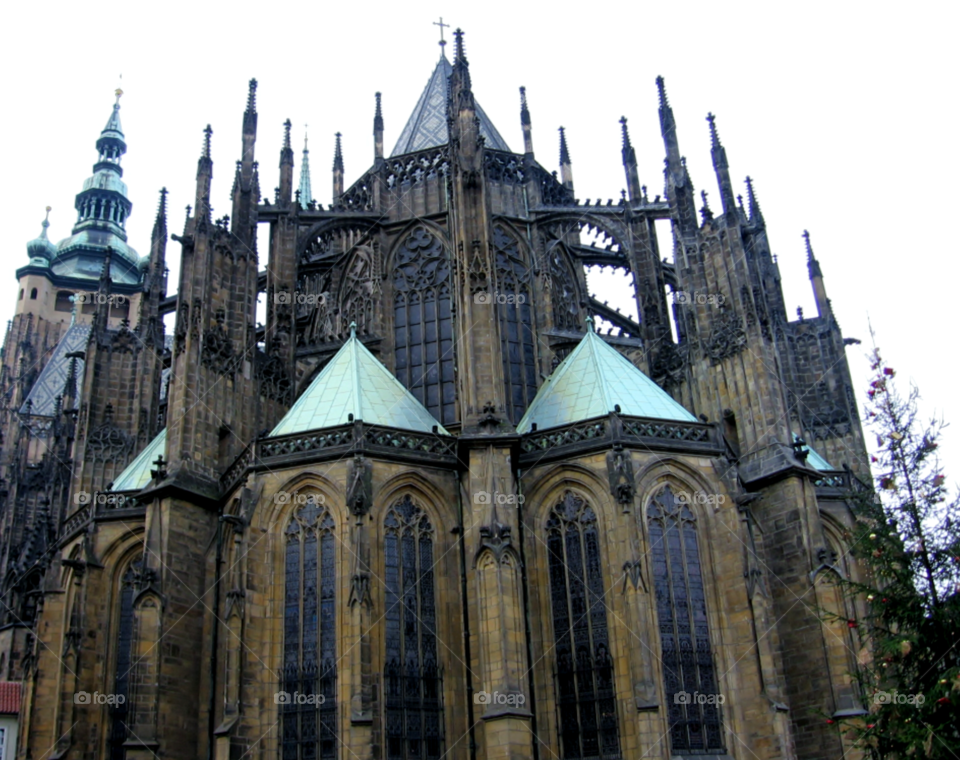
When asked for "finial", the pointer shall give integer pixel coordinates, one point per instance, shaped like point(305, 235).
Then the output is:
point(252, 97)
point(714, 137)
point(754, 206)
point(662, 90)
point(806, 240)
point(119, 93)
point(705, 211)
point(46, 221)
point(305, 128)
point(378, 116)
point(591, 325)
point(564, 152)
point(626, 134)
point(443, 42)
point(207, 132)
point(338, 154)
point(353, 329)
point(286, 133)
point(162, 207)
point(459, 53)
point(524, 108)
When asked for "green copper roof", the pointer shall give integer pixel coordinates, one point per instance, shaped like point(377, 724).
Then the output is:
point(590, 382)
point(815, 461)
point(355, 382)
point(136, 475)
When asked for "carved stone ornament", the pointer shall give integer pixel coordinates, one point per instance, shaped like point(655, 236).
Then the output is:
point(273, 379)
point(360, 485)
point(217, 353)
point(620, 473)
point(727, 337)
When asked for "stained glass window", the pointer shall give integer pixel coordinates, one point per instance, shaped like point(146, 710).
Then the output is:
point(412, 680)
point(119, 713)
point(690, 683)
point(308, 709)
point(515, 310)
point(586, 697)
point(423, 323)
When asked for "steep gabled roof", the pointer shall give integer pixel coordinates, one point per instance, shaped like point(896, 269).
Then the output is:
point(355, 382)
point(136, 475)
point(52, 381)
point(590, 382)
point(427, 125)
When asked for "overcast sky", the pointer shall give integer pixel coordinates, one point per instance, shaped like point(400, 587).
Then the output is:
point(844, 114)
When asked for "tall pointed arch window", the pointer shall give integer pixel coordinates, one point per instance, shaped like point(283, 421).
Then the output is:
point(119, 711)
point(309, 711)
point(515, 313)
point(412, 681)
point(690, 682)
point(423, 323)
point(586, 697)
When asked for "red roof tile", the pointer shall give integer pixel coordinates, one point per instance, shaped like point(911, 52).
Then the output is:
point(9, 698)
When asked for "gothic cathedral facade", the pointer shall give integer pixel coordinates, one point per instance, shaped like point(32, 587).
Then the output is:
point(444, 501)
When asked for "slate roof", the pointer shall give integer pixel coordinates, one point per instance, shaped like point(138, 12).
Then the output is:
point(52, 381)
point(355, 382)
point(590, 382)
point(136, 475)
point(427, 125)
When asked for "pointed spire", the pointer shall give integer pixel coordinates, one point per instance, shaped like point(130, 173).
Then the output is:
point(306, 194)
point(160, 223)
point(286, 167)
point(679, 188)
point(204, 175)
point(566, 168)
point(250, 115)
point(816, 279)
point(525, 123)
point(630, 163)
point(207, 134)
point(378, 132)
point(755, 215)
point(524, 109)
point(337, 169)
point(721, 168)
point(460, 53)
point(111, 144)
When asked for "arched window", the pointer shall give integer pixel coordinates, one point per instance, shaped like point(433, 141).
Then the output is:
point(33, 294)
point(515, 312)
point(690, 682)
point(119, 713)
point(586, 697)
point(308, 708)
point(412, 681)
point(423, 323)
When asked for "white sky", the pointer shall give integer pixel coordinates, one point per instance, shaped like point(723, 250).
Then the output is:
point(843, 113)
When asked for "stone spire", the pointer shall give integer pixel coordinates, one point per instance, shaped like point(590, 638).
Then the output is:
point(756, 217)
point(630, 163)
point(566, 168)
point(816, 279)
point(378, 132)
point(306, 194)
point(722, 169)
point(337, 169)
point(286, 166)
point(525, 123)
point(679, 188)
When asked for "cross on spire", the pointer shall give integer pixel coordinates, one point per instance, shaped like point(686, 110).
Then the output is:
point(443, 42)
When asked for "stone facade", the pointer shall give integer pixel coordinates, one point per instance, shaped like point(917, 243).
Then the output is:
point(617, 587)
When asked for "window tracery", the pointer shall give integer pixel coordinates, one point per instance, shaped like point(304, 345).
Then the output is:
point(423, 323)
point(690, 683)
point(119, 711)
point(309, 723)
point(586, 697)
point(412, 681)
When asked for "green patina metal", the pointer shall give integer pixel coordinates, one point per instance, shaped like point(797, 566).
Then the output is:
point(137, 475)
point(591, 382)
point(356, 383)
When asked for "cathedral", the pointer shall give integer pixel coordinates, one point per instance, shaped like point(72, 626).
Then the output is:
point(445, 501)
